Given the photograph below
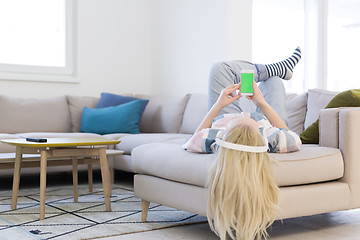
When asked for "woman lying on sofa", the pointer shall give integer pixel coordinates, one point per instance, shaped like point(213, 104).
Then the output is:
point(242, 193)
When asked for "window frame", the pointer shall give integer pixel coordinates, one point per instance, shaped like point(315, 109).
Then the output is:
point(49, 73)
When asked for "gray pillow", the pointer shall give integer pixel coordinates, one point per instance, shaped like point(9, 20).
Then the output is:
point(296, 111)
point(76, 106)
point(317, 100)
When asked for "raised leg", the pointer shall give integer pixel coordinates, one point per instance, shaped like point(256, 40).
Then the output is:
point(90, 177)
point(43, 165)
point(274, 93)
point(16, 177)
point(105, 175)
point(144, 210)
point(75, 178)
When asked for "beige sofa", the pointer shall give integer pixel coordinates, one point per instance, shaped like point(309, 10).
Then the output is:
point(315, 180)
point(318, 179)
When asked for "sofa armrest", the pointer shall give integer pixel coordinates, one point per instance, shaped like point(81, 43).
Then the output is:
point(340, 128)
point(329, 127)
point(349, 130)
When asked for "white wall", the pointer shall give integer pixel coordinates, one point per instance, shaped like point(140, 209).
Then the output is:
point(149, 46)
point(188, 37)
point(239, 29)
point(191, 35)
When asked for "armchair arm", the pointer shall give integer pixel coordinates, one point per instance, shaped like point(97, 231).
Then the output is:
point(349, 133)
point(329, 127)
point(340, 128)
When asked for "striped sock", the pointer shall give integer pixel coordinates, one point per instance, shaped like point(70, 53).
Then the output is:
point(284, 69)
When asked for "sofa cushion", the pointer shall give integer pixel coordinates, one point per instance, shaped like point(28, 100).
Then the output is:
point(76, 106)
point(115, 136)
point(123, 118)
point(317, 100)
point(129, 142)
point(26, 115)
point(195, 111)
point(163, 114)
point(169, 161)
point(296, 110)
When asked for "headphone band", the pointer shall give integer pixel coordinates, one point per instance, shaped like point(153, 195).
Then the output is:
point(244, 148)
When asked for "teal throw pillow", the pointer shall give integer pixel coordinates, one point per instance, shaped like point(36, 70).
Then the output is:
point(123, 118)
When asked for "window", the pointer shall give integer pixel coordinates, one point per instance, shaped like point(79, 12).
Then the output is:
point(36, 40)
point(328, 32)
point(343, 44)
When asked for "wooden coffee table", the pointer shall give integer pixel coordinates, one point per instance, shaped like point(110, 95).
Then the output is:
point(61, 147)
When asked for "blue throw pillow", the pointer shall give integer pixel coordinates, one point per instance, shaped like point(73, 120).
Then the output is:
point(109, 99)
point(123, 118)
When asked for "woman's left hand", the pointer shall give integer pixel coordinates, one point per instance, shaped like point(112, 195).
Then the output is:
point(257, 96)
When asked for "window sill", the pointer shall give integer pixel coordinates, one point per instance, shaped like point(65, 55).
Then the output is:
point(39, 77)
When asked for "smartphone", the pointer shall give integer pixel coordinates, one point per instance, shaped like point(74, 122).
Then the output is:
point(247, 79)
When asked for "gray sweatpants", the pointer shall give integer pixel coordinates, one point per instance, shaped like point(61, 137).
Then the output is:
point(224, 74)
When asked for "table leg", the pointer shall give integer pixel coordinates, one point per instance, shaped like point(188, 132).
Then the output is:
point(111, 167)
point(90, 178)
point(43, 165)
point(105, 174)
point(75, 178)
point(16, 177)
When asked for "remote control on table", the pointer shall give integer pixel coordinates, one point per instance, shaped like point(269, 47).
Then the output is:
point(36, 139)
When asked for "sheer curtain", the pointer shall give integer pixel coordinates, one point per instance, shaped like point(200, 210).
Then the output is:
point(278, 28)
point(343, 44)
point(328, 31)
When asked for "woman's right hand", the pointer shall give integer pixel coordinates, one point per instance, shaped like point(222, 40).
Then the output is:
point(227, 95)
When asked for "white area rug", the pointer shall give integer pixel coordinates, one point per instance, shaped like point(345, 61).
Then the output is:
point(86, 219)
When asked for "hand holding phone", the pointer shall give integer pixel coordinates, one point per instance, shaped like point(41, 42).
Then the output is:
point(247, 79)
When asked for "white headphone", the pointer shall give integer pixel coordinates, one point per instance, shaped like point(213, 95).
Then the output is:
point(244, 148)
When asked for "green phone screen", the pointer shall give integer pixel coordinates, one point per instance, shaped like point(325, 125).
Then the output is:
point(246, 82)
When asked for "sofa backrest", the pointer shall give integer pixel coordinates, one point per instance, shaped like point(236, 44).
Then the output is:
point(195, 111)
point(163, 114)
point(173, 114)
point(20, 115)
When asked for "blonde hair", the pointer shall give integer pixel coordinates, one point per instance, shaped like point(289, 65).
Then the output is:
point(242, 193)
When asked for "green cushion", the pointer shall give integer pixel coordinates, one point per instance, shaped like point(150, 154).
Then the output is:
point(349, 98)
